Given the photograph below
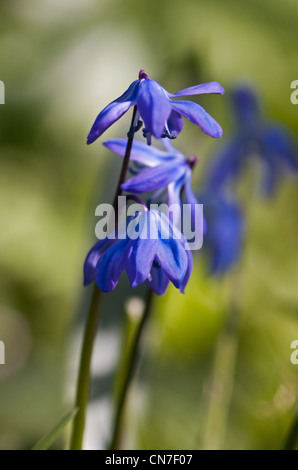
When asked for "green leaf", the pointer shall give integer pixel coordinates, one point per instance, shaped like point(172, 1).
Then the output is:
point(45, 442)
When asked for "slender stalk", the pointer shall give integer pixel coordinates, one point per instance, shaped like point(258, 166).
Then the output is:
point(83, 384)
point(128, 373)
point(125, 161)
point(222, 376)
point(84, 371)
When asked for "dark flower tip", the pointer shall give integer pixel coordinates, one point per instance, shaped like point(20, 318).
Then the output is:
point(142, 74)
point(192, 161)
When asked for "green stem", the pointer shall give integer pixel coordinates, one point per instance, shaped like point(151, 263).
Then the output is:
point(222, 377)
point(83, 384)
point(128, 373)
point(125, 161)
point(84, 371)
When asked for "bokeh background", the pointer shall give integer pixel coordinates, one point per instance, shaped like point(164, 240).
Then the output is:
point(61, 62)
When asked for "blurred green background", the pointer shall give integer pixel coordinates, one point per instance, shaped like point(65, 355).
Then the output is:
point(62, 61)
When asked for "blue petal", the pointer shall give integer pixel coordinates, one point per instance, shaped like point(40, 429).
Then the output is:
point(158, 280)
point(175, 123)
point(192, 200)
point(174, 199)
point(196, 114)
point(113, 111)
point(174, 190)
point(173, 260)
point(154, 178)
point(106, 118)
point(110, 266)
point(188, 271)
point(154, 107)
point(139, 257)
point(171, 253)
point(141, 152)
point(190, 196)
point(211, 87)
point(93, 257)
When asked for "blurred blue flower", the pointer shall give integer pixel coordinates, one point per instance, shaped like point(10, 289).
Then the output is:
point(270, 142)
point(150, 250)
point(168, 169)
point(162, 116)
point(223, 239)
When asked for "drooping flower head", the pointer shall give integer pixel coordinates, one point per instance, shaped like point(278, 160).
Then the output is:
point(162, 115)
point(270, 142)
point(150, 250)
point(159, 169)
point(223, 240)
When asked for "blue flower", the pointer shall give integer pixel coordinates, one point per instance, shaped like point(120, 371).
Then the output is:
point(163, 170)
point(224, 236)
point(152, 250)
point(162, 116)
point(271, 143)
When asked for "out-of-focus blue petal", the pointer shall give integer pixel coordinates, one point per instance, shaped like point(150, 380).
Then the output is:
point(93, 257)
point(154, 107)
point(246, 107)
point(140, 152)
point(110, 266)
point(158, 280)
point(228, 163)
point(196, 114)
point(225, 233)
point(279, 142)
point(211, 87)
point(113, 111)
point(271, 173)
point(175, 123)
point(154, 178)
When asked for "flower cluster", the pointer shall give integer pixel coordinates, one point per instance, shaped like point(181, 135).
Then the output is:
point(254, 138)
point(157, 255)
point(161, 254)
point(271, 143)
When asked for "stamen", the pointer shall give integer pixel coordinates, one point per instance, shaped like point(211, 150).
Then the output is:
point(168, 135)
point(147, 135)
point(134, 129)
